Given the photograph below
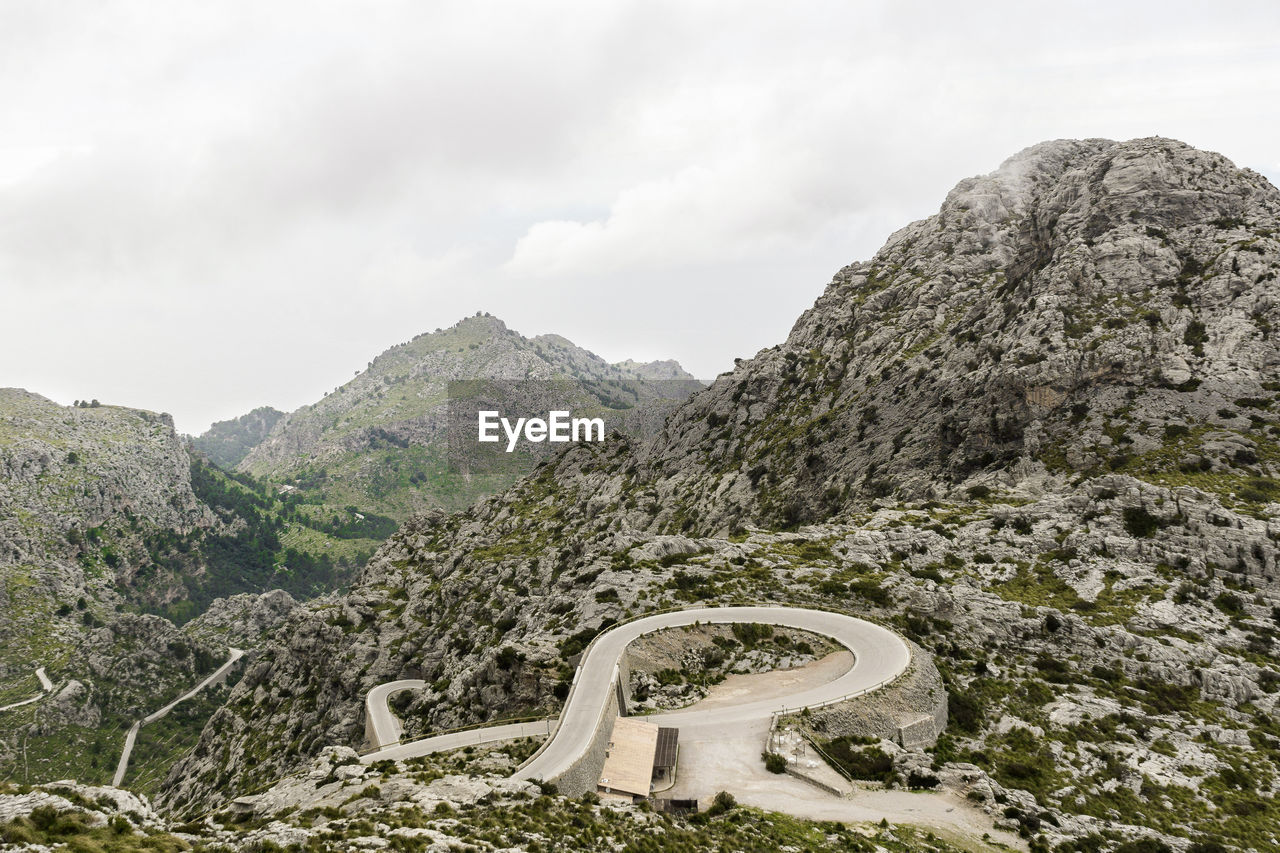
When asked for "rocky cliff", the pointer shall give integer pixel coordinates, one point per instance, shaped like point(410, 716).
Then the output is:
point(98, 518)
point(1089, 306)
point(1037, 433)
point(86, 486)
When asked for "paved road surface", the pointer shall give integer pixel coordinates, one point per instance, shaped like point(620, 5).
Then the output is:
point(880, 655)
point(45, 686)
point(122, 766)
point(381, 726)
point(457, 740)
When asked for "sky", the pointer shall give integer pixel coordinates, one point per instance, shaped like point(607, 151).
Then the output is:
point(208, 207)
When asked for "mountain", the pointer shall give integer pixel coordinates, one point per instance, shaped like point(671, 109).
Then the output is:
point(654, 370)
point(93, 488)
point(1089, 307)
point(226, 443)
point(1038, 434)
point(107, 523)
point(380, 442)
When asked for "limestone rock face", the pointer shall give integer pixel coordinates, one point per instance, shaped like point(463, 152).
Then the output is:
point(1082, 282)
point(95, 500)
point(97, 805)
point(86, 485)
point(242, 620)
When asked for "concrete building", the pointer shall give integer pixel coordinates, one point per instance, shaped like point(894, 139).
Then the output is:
point(639, 753)
point(628, 761)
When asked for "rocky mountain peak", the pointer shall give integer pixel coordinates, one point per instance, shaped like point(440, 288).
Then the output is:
point(482, 322)
point(378, 441)
point(662, 369)
point(228, 442)
point(1059, 315)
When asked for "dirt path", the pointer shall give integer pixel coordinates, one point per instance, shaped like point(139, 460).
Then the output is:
point(739, 688)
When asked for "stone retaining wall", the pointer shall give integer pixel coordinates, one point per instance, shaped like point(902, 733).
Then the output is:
point(584, 774)
point(624, 681)
point(912, 711)
point(812, 779)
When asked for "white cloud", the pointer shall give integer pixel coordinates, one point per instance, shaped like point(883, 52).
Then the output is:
point(719, 211)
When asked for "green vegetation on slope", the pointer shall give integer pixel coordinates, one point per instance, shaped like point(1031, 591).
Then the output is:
point(274, 541)
point(161, 744)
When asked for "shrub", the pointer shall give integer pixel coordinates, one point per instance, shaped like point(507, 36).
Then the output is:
point(1229, 604)
point(871, 591)
point(1144, 845)
point(966, 710)
point(751, 633)
point(1195, 336)
point(1139, 523)
point(18, 832)
point(1165, 698)
point(773, 762)
point(507, 657)
point(916, 779)
point(723, 802)
point(1206, 847)
point(861, 762)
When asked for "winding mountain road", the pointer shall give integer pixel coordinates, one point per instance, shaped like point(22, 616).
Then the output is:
point(122, 767)
point(381, 726)
point(880, 656)
point(46, 686)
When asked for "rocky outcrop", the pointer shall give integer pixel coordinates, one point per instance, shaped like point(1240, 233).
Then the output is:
point(242, 620)
point(97, 804)
point(912, 711)
point(1047, 310)
point(86, 486)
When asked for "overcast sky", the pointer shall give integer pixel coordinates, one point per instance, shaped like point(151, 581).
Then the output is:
point(207, 207)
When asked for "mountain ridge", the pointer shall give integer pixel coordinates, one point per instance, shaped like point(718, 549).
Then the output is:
point(228, 442)
point(377, 441)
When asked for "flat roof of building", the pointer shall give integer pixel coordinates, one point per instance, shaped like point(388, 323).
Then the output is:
point(628, 764)
point(665, 754)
